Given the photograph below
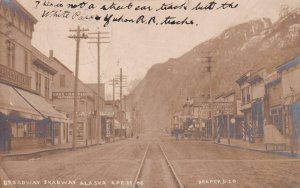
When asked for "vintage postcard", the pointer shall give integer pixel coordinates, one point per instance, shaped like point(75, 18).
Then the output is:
point(149, 93)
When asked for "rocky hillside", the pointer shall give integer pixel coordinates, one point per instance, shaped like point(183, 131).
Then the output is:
point(251, 45)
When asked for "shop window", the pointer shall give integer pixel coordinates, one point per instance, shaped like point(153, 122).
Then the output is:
point(80, 131)
point(57, 129)
point(30, 130)
point(18, 130)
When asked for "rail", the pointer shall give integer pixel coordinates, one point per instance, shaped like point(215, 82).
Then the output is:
point(178, 182)
point(171, 168)
point(134, 185)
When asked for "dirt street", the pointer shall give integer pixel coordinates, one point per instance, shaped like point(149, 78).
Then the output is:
point(197, 163)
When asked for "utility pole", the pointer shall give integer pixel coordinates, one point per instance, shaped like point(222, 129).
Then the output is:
point(122, 80)
point(209, 61)
point(113, 84)
point(78, 36)
point(98, 42)
point(125, 110)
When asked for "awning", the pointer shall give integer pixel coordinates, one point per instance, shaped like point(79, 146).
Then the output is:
point(12, 104)
point(246, 107)
point(42, 106)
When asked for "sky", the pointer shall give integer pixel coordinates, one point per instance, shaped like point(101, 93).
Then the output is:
point(136, 47)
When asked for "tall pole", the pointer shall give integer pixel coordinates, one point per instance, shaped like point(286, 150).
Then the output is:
point(98, 42)
point(98, 87)
point(209, 67)
point(79, 35)
point(114, 103)
point(228, 129)
point(121, 95)
point(113, 84)
point(121, 80)
point(211, 104)
point(125, 110)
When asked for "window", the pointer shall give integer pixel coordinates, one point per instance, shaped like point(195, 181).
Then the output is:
point(26, 62)
point(243, 97)
point(47, 87)
point(38, 79)
point(62, 80)
point(30, 130)
point(246, 97)
point(276, 118)
point(10, 54)
point(56, 129)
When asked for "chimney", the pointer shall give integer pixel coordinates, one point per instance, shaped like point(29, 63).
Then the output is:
point(51, 53)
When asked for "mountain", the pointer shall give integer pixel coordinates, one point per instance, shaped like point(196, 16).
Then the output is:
point(252, 45)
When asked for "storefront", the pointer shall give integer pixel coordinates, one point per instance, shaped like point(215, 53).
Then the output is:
point(246, 109)
point(258, 117)
point(295, 116)
point(27, 120)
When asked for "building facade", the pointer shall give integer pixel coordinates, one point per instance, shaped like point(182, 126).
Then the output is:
point(26, 115)
point(290, 76)
point(89, 124)
point(271, 102)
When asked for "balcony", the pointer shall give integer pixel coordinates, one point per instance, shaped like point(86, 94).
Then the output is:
point(15, 78)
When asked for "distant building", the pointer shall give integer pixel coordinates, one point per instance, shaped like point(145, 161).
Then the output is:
point(114, 107)
point(252, 94)
point(63, 101)
point(256, 81)
point(227, 109)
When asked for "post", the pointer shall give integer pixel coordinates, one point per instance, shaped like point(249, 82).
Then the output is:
point(125, 98)
point(98, 127)
point(211, 105)
point(76, 92)
point(77, 37)
point(228, 129)
point(121, 80)
point(98, 117)
point(209, 68)
point(121, 101)
point(114, 103)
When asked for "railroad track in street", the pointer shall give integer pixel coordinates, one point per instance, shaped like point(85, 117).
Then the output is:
point(161, 172)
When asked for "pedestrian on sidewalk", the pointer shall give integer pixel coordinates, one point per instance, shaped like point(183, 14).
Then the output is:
point(220, 125)
point(244, 130)
point(176, 134)
point(250, 133)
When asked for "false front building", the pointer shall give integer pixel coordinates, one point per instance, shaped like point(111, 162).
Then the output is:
point(27, 118)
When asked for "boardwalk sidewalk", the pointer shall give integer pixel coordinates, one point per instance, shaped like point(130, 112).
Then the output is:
point(257, 146)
